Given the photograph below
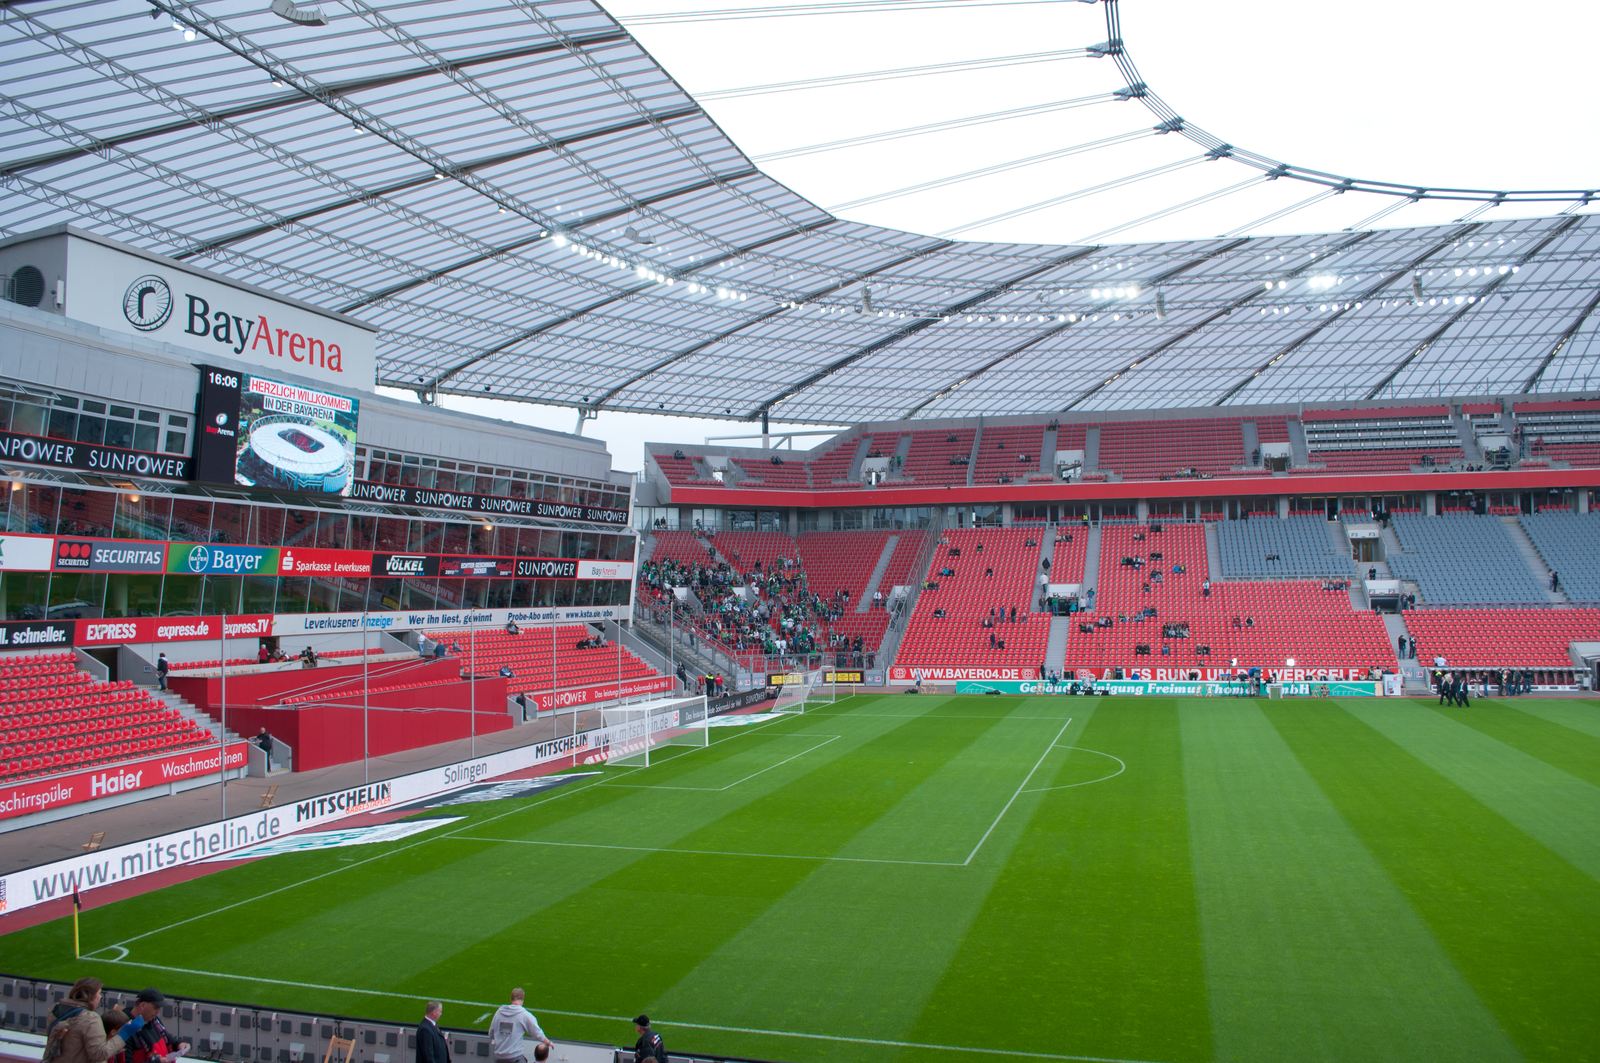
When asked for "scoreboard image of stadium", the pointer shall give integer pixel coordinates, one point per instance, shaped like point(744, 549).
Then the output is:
point(259, 432)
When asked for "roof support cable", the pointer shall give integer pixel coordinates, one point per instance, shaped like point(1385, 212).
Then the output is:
point(1166, 212)
point(939, 127)
point(1082, 193)
point(868, 77)
point(1400, 204)
point(836, 7)
point(1309, 201)
point(988, 171)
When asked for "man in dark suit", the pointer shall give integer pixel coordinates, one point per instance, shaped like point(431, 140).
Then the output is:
point(432, 1046)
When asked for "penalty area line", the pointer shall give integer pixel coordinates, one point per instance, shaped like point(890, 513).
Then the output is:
point(424, 839)
point(1020, 787)
point(710, 852)
point(1015, 1053)
point(762, 771)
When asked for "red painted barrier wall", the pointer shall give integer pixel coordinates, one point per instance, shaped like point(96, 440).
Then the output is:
point(332, 732)
point(255, 688)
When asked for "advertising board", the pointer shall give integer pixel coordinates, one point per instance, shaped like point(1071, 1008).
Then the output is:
point(135, 295)
point(23, 798)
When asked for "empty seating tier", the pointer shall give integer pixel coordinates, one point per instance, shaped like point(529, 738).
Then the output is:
point(54, 718)
point(1567, 431)
point(1462, 559)
point(541, 659)
point(939, 457)
point(1262, 624)
point(1570, 544)
point(976, 572)
point(1502, 638)
point(1268, 548)
point(750, 551)
point(683, 546)
point(1159, 450)
point(776, 471)
point(1010, 453)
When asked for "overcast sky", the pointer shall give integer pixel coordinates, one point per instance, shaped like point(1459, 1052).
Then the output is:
point(1459, 93)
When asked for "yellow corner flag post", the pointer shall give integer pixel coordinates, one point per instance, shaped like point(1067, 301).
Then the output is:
point(77, 906)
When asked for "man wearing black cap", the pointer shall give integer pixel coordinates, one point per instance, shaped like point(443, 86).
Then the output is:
point(649, 1045)
point(152, 1043)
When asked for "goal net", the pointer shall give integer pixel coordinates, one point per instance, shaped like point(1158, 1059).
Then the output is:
point(799, 688)
point(633, 735)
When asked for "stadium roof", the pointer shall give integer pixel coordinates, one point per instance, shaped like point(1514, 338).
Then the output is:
point(529, 207)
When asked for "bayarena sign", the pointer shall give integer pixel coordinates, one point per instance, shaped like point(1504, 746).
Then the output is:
point(165, 300)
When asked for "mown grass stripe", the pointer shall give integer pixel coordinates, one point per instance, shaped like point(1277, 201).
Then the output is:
point(1580, 714)
point(1089, 938)
point(1541, 801)
point(1311, 951)
point(1561, 746)
point(1517, 920)
point(850, 937)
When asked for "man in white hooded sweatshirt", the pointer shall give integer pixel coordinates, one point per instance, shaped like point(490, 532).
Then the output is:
point(512, 1025)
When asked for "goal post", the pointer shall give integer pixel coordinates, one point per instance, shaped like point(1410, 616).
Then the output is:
point(633, 735)
point(798, 689)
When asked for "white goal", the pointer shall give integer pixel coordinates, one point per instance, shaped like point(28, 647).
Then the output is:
point(632, 735)
point(799, 688)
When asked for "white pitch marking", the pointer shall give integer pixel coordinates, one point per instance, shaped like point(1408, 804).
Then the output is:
point(561, 792)
point(1122, 766)
point(934, 716)
point(1047, 750)
point(705, 852)
point(759, 728)
point(837, 1038)
point(736, 782)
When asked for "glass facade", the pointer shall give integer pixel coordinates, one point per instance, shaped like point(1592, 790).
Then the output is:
point(445, 474)
point(62, 509)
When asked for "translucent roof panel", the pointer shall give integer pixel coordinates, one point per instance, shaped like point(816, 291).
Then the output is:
point(526, 205)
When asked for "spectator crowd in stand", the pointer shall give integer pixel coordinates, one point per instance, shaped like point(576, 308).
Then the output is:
point(768, 611)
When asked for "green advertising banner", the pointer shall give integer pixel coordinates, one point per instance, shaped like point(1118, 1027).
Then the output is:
point(1178, 688)
point(214, 559)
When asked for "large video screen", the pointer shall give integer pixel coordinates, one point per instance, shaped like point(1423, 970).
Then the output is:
point(260, 432)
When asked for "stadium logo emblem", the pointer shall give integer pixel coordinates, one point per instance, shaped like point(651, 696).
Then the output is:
point(72, 553)
point(199, 559)
point(222, 419)
point(147, 304)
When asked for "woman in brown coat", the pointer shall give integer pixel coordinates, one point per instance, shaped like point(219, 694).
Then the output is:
point(81, 1032)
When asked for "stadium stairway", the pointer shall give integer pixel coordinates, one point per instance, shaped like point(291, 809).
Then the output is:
point(864, 601)
point(1530, 554)
point(1297, 444)
point(1091, 562)
point(1468, 437)
point(1341, 540)
point(1047, 453)
point(1252, 442)
point(1091, 448)
point(1395, 625)
point(1055, 650)
point(1213, 554)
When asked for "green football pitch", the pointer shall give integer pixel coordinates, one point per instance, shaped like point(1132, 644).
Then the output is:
point(979, 877)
